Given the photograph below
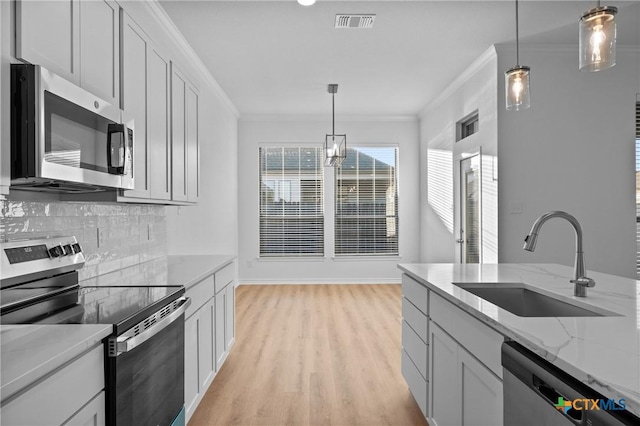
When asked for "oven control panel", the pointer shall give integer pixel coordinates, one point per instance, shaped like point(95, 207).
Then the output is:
point(39, 257)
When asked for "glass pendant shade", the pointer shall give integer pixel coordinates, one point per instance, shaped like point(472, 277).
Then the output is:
point(516, 82)
point(306, 2)
point(598, 39)
point(335, 148)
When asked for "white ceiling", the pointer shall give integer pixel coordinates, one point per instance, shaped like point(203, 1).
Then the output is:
point(277, 57)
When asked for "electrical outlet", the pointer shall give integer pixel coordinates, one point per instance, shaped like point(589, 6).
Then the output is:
point(516, 208)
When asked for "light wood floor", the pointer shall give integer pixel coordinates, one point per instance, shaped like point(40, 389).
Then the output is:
point(313, 355)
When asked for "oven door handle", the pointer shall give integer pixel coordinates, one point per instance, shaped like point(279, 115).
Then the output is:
point(126, 342)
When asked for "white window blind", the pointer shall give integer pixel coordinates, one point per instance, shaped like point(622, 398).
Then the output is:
point(366, 205)
point(291, 202)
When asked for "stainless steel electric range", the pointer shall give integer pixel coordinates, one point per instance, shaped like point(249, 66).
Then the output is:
point(144, 356)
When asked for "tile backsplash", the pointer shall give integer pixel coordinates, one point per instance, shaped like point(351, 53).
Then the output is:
point(113, 236)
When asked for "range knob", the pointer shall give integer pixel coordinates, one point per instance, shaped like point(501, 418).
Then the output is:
point(68, 250)
point(76, 248)
point(56, 251)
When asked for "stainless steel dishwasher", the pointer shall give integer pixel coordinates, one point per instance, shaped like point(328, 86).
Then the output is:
point(536, 393)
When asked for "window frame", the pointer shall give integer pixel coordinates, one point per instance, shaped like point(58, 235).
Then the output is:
point(381, 255)
point(319, 170)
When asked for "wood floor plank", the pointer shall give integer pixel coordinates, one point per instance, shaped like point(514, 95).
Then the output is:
point(313, 355)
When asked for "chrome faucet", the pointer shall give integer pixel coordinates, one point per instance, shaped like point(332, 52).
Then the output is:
point(580, 281)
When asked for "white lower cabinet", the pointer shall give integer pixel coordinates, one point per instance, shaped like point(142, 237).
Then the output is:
point(450, 360)
point(72, 395)
point(444, 406)
point(191, 363)
point(464, 391)
point(92, 414)
point(209, 328)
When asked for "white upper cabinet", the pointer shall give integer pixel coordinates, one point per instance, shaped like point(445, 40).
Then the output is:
point(99, 48)
point(192, 145)
point(135, 47)
point(158, 116)
point(178, 134)
point(78, 40)
point(47, 34)
point(185, 173)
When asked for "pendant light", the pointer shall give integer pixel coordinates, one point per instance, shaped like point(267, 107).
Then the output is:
point(335, 146)
point(598, 38)
point(517, 80)
point(306, 2)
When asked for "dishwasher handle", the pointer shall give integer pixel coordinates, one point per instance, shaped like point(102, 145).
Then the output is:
point(158, 322)
point(554, 397)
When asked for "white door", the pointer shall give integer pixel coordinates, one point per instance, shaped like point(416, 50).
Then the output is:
point(470, 201)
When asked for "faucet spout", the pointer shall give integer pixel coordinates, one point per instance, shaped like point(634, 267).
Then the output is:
point(579, 278)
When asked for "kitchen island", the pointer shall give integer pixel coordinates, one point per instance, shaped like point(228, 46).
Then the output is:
point(603, 352)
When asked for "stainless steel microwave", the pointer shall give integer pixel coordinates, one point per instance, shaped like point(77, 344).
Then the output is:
point(64, 139)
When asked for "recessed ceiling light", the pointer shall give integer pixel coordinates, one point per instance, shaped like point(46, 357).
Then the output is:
point(306, 2)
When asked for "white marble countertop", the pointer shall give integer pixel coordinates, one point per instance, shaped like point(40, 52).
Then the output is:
point(602, 352)
point(170, 270)
point(29, 352)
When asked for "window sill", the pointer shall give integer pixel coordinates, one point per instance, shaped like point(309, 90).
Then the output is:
point(365, 258)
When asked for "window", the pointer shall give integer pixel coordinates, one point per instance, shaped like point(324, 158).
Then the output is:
point(467, 126)
point(291, 202)
point(366, 204)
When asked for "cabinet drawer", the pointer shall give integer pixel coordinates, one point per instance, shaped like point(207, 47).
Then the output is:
point(199, 294)
point(56, 398)
point(416, 293)
point(415, 348)
point(417, 385)
point(416, 319)
point(225, 276)
point(480, 340)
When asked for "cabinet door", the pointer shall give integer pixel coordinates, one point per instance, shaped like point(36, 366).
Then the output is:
point(220, 312)
point(191, 374)
point(47, 34)
point(134, 99)
point(178, 135)
point(481, 398)
point(444, 381)
point(229, 316)
point(206, 345)
point(193, 146)
point(158, 141)
point(92, 414)
point(99, 49)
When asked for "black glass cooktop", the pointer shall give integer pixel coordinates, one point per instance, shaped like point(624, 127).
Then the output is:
point(121, 306)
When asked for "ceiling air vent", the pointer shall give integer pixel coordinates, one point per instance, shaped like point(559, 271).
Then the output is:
point(355, 21)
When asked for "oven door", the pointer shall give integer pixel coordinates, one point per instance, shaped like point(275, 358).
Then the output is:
point(145, 370)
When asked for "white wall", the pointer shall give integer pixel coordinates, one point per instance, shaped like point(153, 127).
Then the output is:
point(254, 131)
point(474, 90)
point(573, 150)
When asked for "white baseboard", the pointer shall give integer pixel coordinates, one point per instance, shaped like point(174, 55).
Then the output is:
point(323, 281)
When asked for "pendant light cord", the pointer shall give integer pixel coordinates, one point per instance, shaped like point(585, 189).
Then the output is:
point(517, 42)
point(333, 115)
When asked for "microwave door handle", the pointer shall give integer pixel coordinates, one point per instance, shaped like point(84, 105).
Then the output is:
point(116, 169)
point(127, 343)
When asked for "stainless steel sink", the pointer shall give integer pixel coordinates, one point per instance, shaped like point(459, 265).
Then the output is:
point(524, 302)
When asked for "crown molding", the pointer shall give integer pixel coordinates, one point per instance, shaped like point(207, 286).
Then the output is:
point(161, 16)
point(488, 55)
point(326, 118)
